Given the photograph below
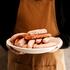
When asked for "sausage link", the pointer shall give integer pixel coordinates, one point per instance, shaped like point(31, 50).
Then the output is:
point(38, 31)
point(38, 41)
point(36, 36)
point(51, 44)
point(46, 39)
point(31, 43)
point(20, 42)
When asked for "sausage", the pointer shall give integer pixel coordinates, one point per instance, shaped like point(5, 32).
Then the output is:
point(36, 36)
point(38, 31)
point(20, 42)
point(50, 44)
point(46, 40)
point(17, 36)
point(16, 42)
point(38, 41)
point(31, 43)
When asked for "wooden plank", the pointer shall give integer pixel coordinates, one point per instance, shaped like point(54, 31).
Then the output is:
point(46, 61)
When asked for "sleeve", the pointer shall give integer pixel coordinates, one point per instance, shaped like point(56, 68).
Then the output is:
point(66, 40)
point(8, 20)
point(62, 15)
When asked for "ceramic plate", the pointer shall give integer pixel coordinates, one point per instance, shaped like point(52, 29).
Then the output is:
point(49, 49)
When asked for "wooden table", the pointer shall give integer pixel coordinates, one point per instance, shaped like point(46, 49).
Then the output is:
point(46, 61)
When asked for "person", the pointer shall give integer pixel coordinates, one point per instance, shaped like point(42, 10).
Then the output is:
point(8, 20)
point(33, 14)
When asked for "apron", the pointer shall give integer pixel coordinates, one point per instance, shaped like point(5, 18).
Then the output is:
point(35, 14)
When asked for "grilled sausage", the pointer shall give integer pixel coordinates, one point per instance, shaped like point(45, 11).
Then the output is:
point(31, 43)
point(36, 36)
point(37, 31)
point(50, 44)
point(38, 41)
point(20, 42)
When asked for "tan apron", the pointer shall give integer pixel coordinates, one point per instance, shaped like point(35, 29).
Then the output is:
point(35, 14)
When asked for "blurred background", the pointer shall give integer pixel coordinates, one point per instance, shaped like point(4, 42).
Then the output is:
point(8, 15)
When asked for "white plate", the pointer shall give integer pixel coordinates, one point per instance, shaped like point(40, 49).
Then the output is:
point(36, 50)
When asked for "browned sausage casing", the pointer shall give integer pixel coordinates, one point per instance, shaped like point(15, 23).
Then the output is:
point(36, 36)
